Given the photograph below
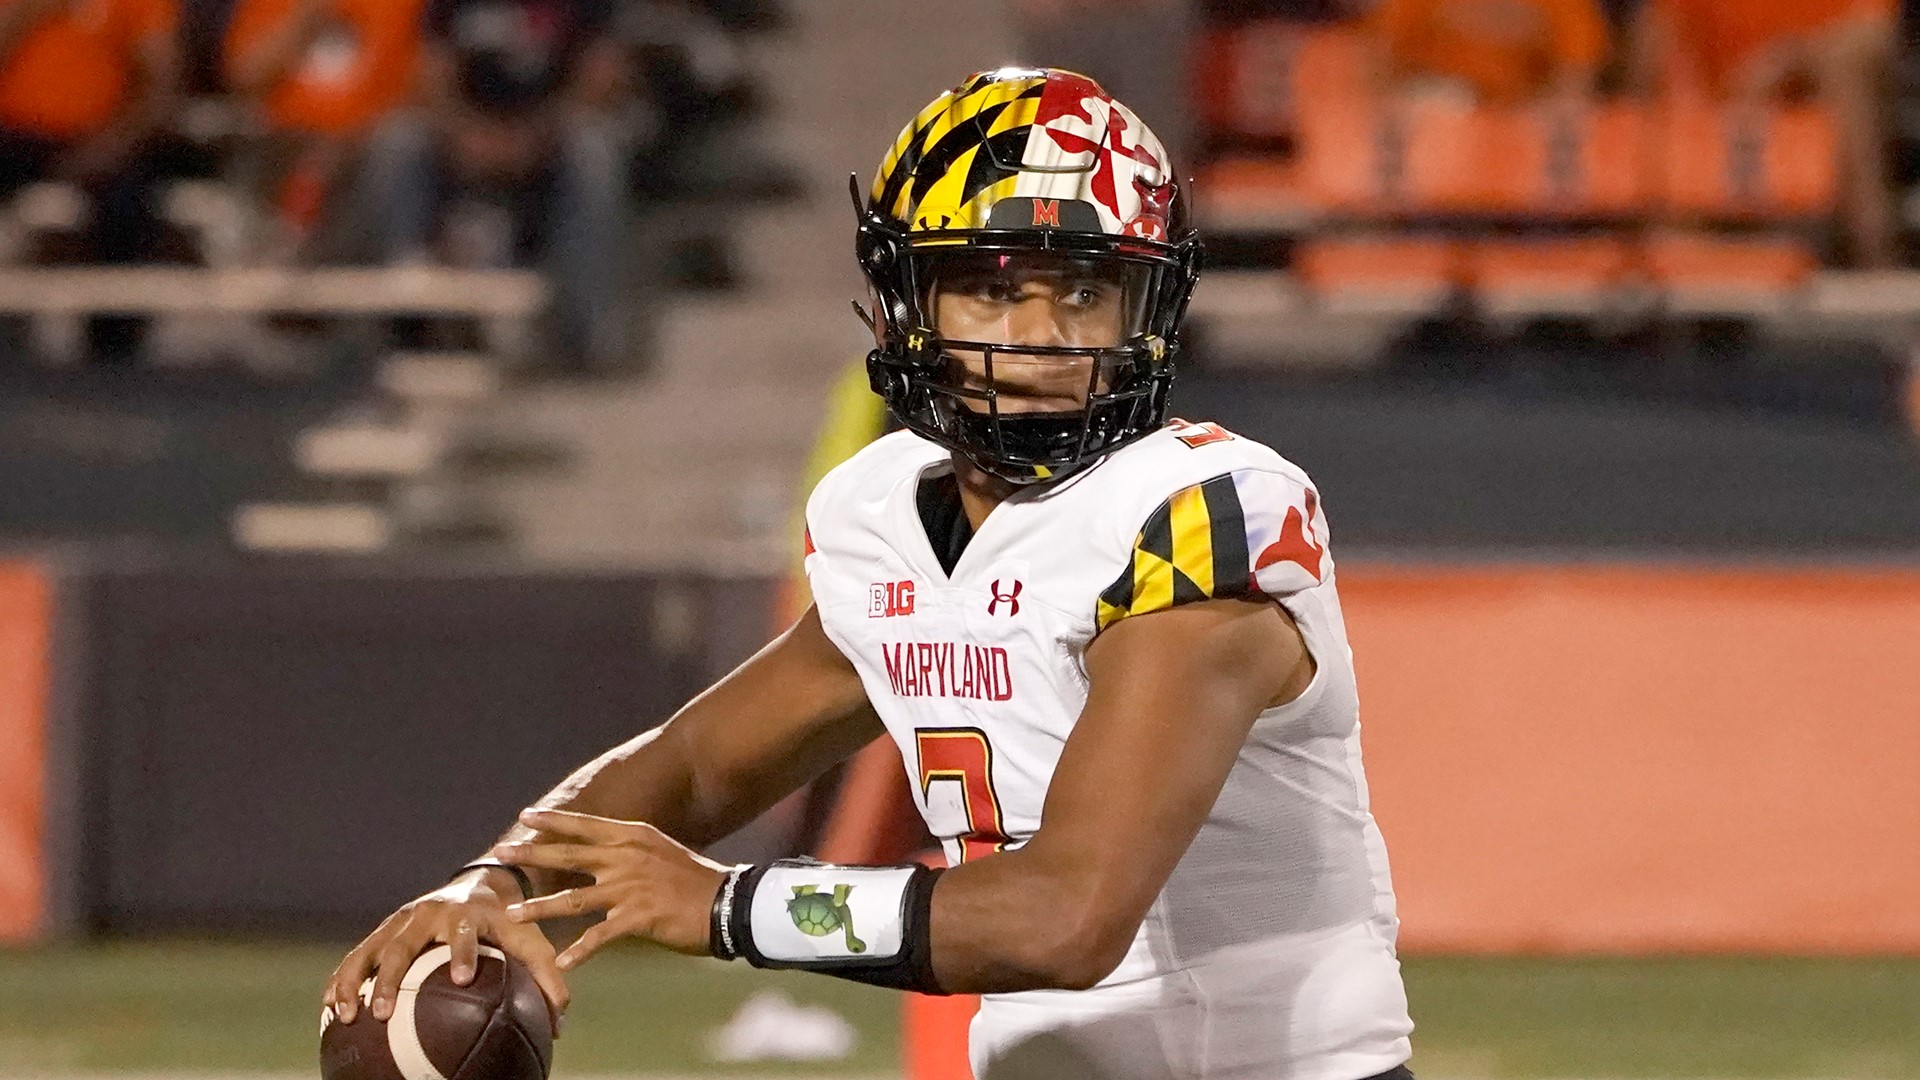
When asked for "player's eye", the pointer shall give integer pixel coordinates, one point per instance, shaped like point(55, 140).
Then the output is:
point(1001, 290)
point(985, 288)
point(1085, 294)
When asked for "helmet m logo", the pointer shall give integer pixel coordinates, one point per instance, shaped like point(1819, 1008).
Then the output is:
point(1046, 212)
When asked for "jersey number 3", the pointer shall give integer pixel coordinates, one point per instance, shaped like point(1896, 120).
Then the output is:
point(960, 761)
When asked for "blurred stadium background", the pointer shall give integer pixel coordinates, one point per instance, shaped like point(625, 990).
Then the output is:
point(405, 399)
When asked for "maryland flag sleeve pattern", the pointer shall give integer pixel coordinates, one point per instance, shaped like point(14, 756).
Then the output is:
point(1238, 534)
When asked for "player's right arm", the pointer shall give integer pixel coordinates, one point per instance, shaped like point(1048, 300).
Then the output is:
point(776, 722)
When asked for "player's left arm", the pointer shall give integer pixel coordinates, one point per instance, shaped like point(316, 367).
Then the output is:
point(1172, 696)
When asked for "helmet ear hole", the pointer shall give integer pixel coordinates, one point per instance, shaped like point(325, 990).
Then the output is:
point(887, 379)
point(878, 250)
point(880, 378)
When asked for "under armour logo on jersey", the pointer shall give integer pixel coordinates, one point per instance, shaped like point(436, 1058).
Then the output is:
point(1011, 598)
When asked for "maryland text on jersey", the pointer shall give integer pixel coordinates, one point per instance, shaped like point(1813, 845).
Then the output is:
point(955, 669)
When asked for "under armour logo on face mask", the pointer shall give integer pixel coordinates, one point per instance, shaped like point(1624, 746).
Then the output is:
point(1011, 598)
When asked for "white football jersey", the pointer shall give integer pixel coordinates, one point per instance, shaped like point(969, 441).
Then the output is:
point(1270, 952)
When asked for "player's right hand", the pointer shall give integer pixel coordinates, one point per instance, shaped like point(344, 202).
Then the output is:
point(459, 914)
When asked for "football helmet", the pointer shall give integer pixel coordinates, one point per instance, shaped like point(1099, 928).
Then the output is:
point(1025, 167)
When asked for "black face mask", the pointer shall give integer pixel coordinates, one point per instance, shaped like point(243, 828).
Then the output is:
point(1126, 394)
point(1027, 446)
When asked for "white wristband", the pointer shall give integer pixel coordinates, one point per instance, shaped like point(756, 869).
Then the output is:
point(805, 912)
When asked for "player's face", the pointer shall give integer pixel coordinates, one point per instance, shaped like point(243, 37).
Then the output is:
point(1030, 300)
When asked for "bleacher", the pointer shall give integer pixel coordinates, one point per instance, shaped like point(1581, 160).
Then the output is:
point(385, 390)
point(1657, 250)
point(1345, 215)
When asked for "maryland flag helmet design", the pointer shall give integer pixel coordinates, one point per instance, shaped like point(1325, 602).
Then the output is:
point(1025, 166)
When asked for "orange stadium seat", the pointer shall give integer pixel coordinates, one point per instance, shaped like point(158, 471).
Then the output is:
point(1599, 167)
point(1525, 162)
point(1443, 158)
point(1800, 159)
point(1515, 170)
point(1329, 59)
point(1252, 193)
point(1716, 168)
point(1415, 268)
point(1240, 83)
point(1616, 161)
point(1210, 86)
point(1575, 269)
point(1337, 123)
point(1339, 154)
point(1685, 262)
point(1452, 158)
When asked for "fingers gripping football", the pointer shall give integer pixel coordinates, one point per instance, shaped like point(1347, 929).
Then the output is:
point(647, 884)
point(459, 916)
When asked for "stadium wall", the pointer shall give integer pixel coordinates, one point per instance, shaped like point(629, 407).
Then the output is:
point(26, 617)
point(299, 747)
point(1565, 759)
point(1642, 759)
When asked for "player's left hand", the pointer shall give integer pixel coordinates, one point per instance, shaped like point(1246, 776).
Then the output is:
point(648, 884)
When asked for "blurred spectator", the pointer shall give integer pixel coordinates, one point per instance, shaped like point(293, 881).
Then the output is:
point(203, 35)
point(517, 155)
point(1623, 21)
point(1905, 81)
point(1497, 51)
point(1621, 16)
point(322, 72)
point(1136, 49)
point(1235, 12)
point(744, 16)
point(696, 103)
point(694, 112)
point(86, 88)
point(1752, 55)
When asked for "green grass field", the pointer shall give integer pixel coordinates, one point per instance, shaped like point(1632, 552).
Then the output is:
point(237, 1008)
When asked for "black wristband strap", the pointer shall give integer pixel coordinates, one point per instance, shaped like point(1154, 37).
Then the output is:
point(519, 876)
point(720, 932)
point(740, 919)
point(914, 971)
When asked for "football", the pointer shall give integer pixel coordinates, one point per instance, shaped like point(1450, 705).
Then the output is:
point(495, 1028)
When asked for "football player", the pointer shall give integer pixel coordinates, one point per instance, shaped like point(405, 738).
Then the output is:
point(1108, 646)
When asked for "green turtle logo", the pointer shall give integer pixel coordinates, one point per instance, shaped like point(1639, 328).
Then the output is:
point(816, 914)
